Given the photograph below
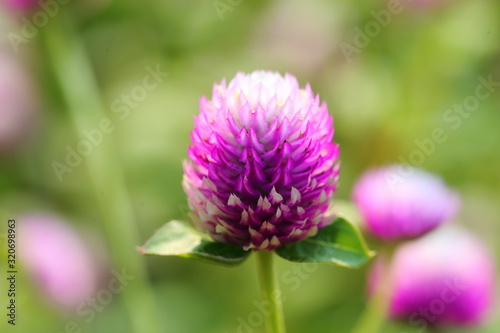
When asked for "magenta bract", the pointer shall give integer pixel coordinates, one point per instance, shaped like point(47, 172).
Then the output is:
point(263, 166)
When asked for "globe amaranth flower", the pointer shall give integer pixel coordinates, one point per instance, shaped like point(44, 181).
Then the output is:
point(444, 278)
point(400, 202)
point(57, 259)
point(263, 166)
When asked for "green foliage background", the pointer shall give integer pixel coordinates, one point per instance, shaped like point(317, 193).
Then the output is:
point(384, 100)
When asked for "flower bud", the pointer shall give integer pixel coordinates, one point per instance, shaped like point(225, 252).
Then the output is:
point(400, 202)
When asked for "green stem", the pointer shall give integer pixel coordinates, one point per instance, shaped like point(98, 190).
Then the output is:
point(74, 73)
point(271, 294)
point(376, 310)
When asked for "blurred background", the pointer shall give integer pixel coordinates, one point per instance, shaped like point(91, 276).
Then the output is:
point(97, 100)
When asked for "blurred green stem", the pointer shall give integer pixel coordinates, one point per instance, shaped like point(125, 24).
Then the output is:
point(74, 73)
point(378, 305)
point(271, 294)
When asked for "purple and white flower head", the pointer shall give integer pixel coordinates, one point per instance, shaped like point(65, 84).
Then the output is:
point(57, 259)
point(444, 278)
point(263, 166)
point(401, 202)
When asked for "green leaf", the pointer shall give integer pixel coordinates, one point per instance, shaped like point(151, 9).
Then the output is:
point(180, 240)
point(339, 243)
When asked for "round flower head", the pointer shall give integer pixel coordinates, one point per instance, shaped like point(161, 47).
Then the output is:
point(58, 260)
point(444, 278)
point(263, 163)
point(400, 202)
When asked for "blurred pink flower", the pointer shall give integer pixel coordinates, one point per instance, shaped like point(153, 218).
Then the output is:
point(400, 202)
point(17, 106)
point(22, 4)
point(444, 278)
point(58, 259)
